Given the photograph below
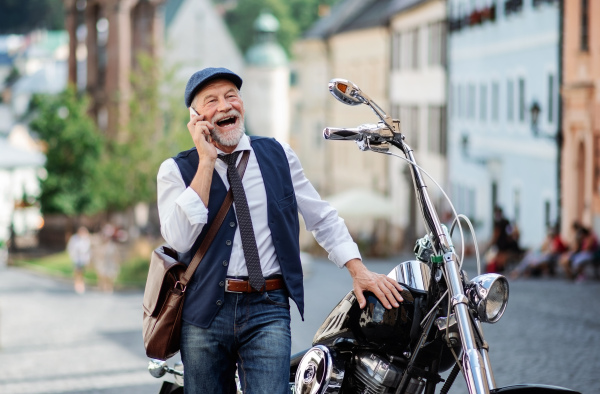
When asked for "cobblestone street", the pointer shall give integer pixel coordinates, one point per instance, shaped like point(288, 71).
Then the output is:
point(55, 341)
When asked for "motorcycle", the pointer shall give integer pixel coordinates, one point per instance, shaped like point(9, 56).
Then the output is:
point(437, 327)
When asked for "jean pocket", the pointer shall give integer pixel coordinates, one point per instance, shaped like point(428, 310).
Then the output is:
point(277, 298)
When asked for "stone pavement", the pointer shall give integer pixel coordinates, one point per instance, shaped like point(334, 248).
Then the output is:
point(55, 341)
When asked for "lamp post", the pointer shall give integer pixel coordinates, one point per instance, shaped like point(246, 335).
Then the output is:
point(535, 114)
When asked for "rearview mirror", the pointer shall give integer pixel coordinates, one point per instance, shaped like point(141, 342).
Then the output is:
point(345, 91)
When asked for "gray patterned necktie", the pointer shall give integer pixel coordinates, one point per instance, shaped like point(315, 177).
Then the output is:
point(242, 212)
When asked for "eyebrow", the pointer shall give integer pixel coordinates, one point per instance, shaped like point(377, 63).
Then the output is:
point(211, 95)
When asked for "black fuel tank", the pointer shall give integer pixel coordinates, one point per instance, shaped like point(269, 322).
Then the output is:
point(374, 325)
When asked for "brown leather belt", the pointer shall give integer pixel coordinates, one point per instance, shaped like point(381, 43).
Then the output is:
point(243, 286)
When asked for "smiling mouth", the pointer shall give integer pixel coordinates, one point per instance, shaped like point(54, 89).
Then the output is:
point(226, 121)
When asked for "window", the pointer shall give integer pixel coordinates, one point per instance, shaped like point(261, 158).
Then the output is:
point(584, 34)
point(495, 101)
point(436, 138)
point(408, 49)
point(596, 164)
point(437, 44)
point(409, 124)
point(550, 98)
point(509, 100)
point(459, 101)
point(471, 102)
point(396, 39)
point(483, 102)
point(521, 100)
point(415, 49)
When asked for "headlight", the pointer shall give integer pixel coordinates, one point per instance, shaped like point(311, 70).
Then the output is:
point(488, 295)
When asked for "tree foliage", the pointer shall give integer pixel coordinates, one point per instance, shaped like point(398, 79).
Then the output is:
point(131, 160)
point(21, 17)
point(73, 150)
point(295, 16)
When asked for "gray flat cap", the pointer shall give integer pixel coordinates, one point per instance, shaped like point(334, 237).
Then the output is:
point(200, 78)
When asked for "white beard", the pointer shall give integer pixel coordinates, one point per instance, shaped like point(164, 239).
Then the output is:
point(233, 137)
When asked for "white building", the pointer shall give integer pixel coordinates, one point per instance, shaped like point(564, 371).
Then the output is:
point(196, 37)
point(503, 63)
point(418, 98)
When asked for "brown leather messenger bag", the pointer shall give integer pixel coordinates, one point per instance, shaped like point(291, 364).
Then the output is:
point(166, 284)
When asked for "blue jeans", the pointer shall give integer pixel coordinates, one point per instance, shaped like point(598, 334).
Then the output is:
point(251, 330)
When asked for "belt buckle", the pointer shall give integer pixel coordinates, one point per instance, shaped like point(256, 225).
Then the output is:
point(227, 280)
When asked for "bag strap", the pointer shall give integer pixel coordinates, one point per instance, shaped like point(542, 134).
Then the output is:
point(216, 224)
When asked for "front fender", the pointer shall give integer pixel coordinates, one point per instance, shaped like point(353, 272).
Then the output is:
point(532, 389)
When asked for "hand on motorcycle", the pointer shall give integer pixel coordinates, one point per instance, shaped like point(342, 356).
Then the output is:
point(385, 288)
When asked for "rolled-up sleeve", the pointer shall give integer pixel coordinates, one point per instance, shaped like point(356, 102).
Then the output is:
point(320, 217)
point(181, 211)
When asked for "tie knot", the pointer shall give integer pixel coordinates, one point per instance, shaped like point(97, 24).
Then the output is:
point(231, 158)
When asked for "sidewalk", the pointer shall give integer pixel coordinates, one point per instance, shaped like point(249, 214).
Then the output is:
point(55, 341)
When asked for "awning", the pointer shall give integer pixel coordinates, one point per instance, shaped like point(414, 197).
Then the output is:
point(361, 203)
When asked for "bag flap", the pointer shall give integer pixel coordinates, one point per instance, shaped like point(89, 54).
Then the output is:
point(164, 270)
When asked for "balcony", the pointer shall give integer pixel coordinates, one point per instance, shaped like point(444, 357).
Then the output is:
point(476, 17)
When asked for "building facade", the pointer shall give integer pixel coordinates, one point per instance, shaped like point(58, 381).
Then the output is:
point(580, 175)
point(503, 114)
point(417, 93)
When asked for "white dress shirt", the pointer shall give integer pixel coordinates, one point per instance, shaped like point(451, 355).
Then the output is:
point(183, 214)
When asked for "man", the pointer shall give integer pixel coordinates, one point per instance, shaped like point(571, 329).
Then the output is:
point(228, 315)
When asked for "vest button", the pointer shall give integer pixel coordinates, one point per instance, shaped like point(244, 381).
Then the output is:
point(225, 263)
point(228, 242)
point(221, 283)
point(219, 302)
point(231, 224)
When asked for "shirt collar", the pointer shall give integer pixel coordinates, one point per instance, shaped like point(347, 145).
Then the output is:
point(243, 145)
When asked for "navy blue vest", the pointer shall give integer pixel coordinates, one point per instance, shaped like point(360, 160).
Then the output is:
point(205, 291)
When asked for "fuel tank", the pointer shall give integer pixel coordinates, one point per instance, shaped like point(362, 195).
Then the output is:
point(375, 325)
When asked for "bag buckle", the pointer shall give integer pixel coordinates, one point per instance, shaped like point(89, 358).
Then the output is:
point(180, 286)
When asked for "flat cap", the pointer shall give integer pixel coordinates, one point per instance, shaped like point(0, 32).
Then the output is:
point(200, 78)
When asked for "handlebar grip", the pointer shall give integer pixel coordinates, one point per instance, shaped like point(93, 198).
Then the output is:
point(335, 133)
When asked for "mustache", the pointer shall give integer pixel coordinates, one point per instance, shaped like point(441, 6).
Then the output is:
point(230, 113)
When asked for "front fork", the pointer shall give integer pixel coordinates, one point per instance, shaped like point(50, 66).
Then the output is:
point(476, 364)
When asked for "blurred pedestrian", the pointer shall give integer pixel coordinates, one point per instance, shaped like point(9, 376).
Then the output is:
point(79, 249)
point(504, 245)
point(107, 262)
point(585, 245)
point(543, 260)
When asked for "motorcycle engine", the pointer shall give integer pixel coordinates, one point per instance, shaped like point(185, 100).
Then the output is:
point(373, 374)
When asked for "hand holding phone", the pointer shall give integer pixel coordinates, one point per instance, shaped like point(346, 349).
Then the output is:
point(194, 112)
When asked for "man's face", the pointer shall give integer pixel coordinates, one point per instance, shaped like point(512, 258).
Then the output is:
point(222, 106)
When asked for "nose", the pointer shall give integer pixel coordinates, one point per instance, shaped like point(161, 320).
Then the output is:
point(224, 105)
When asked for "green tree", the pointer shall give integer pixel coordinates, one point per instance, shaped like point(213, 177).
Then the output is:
point(155, 129)
point(73, 150)
point(295, 16)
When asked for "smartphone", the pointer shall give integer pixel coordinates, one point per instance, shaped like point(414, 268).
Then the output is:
point(193, 112)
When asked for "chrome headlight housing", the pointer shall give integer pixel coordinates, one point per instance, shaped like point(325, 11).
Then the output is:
point(488, 296)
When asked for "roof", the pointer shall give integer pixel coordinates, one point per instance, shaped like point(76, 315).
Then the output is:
point(350, 15)
point(171, 8)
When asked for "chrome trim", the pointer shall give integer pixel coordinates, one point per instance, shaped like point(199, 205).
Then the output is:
point(478, 291)
point(318, 373)
point(413, 274)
